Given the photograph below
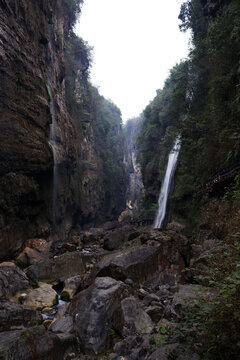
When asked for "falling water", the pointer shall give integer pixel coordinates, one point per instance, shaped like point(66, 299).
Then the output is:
point(166, 185)
point(55, 168)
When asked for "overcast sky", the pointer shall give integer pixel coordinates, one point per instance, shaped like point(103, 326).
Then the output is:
point(136, 43)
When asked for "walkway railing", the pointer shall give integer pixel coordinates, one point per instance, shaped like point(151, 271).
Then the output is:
point(222, 175)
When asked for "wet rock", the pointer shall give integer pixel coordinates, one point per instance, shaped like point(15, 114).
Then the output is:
point(14, 316)
point(30, 344)
point(47, 323)
point(131, 319)
point(93, 309)
point(41, 297)
point(12, 280)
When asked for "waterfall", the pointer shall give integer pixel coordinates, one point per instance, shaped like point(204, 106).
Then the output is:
point(166, 185)
point(55, 168)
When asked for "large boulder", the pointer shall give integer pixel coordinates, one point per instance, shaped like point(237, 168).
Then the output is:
point(93, 310)
point(71, 285)
point(202, 258)
point(58, 268)
point(143, 263)
point(30, 344)
point(29, 257)
point(113, 239)
point(12, 280)
point(131, 319)
point(187, 295)
point(41, 297)
point(14, 315)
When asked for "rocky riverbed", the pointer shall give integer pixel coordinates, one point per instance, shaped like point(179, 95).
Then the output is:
point(123, 293)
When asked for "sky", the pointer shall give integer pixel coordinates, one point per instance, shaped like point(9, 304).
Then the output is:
point(136, 43)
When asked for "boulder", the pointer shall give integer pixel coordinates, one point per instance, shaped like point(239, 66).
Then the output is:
point(187, 295)
point(141, 264)
point(40, 245)
point(41, 297)
point(72, 284)
point(132, 348)
point(14, 315)
point(155, 312)
point(163, 353)
point(161, 259)
point(12, 280)
point(131, 319)
point(93, 310)
point(29, 344)
point(113, 240)
point(202, 259)
point(29, 257)
point(149, 298)
point(58, 268)
point(62, 325)
point(65, 347)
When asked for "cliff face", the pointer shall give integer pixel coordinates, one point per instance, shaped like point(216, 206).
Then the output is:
point(52, 184)
point(99, 181)
point(135, 185)
point(31, 49)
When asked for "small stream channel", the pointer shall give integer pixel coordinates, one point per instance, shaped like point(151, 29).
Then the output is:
point(49, 315)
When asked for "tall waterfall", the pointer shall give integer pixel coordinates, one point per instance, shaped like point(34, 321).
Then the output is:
point(166, 185)
point(55, 168)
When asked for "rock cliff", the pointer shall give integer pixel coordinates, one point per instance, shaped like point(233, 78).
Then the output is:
point(32, 74)
point(49, 185)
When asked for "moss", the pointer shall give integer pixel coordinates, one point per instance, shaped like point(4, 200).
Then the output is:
point(65, 296)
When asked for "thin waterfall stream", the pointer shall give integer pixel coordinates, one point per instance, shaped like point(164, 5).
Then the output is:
point(166, 185)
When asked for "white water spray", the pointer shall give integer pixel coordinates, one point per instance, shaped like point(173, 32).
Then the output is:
point(166, 185)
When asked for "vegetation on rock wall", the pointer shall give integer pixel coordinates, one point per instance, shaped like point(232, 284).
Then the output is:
point(100, 138)
point(162, 121)
point(203, 106)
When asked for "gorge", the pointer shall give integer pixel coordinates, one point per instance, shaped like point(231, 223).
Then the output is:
point(82, 275)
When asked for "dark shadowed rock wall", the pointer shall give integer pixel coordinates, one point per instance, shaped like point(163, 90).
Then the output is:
point(31, 73)
point(40, 60)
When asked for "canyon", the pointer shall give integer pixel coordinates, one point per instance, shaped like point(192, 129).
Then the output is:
point(83, 274)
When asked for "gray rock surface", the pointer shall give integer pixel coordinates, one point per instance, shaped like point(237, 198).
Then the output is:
point(132, 319)
point(30, 344)
point(93, 310)
point(12, 280)
point(14, 316)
